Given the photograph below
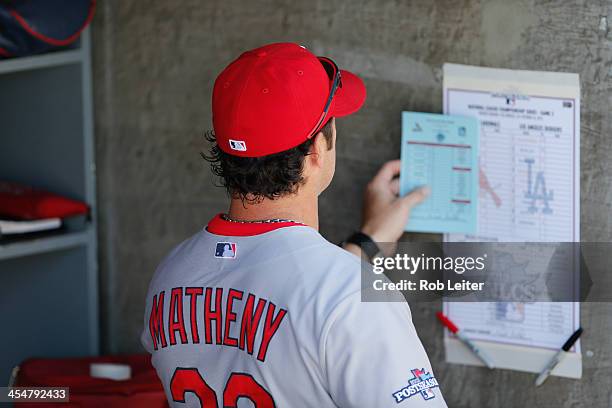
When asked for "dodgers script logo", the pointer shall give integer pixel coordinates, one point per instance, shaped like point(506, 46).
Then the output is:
point(422, 382)
point(225, 250)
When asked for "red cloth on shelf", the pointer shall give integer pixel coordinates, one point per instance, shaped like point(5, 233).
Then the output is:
point(26, 203)
point(143, 390)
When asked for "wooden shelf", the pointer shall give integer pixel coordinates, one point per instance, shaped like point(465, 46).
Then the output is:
point(41, 245)
point(51, 59)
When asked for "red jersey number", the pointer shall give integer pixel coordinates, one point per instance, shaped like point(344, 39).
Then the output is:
point(238, 386)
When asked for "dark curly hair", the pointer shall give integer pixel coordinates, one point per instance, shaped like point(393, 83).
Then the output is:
point(254, 178)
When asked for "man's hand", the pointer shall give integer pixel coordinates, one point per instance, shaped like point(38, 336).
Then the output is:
point(385, 215)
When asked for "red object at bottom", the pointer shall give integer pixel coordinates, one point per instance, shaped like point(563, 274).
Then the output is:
point(142, 390)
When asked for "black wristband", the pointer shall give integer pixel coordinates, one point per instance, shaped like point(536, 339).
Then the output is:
point(365, 242)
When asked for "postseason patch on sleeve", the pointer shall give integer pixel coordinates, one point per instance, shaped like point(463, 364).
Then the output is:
point(422, 382)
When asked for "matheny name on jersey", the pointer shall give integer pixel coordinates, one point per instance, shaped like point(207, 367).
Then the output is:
point(214, 316)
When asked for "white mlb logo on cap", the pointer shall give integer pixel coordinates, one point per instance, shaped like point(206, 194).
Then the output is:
point(238, 145)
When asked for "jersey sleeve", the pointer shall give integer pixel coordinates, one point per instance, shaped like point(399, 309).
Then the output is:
point(145, 336)
point(372, 357)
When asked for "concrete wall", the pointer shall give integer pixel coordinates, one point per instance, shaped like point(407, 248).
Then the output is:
point(154, 67)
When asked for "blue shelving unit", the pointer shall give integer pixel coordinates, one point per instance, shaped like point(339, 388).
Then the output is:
point(49, 284)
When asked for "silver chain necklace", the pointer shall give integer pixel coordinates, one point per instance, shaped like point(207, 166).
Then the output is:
point(268, 221)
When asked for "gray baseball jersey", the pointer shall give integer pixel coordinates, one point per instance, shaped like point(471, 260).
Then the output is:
point(270, 315)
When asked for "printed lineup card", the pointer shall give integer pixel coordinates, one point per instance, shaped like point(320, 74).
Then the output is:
point(441, 151)
point(529, 176)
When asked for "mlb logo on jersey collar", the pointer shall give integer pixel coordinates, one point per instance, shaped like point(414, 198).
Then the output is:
point(225, 250)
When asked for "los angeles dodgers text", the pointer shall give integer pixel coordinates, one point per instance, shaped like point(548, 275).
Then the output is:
point(214, 316)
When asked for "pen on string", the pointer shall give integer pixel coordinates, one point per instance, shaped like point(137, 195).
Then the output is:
point(469, 343)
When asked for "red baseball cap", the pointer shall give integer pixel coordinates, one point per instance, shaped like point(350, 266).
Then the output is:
point(275, 97)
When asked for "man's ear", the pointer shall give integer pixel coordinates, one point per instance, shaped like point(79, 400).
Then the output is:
point(316, 155)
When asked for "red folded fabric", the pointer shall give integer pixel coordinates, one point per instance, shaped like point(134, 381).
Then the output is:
point(143, 390)
point(26, 203)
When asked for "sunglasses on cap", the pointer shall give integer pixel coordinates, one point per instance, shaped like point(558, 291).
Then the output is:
point(333, 72)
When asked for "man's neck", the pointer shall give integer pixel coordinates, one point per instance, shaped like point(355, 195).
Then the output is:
point(290, 207)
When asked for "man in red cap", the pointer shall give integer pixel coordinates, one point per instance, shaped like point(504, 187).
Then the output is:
point(258, 308)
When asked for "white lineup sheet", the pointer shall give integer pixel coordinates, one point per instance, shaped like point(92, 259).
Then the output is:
point(526, 193)
point(529, 192)
point(537, 324)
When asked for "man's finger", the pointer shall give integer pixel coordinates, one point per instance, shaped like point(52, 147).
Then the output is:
point(388, 170)
point(416, 196)
point(394, 186)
